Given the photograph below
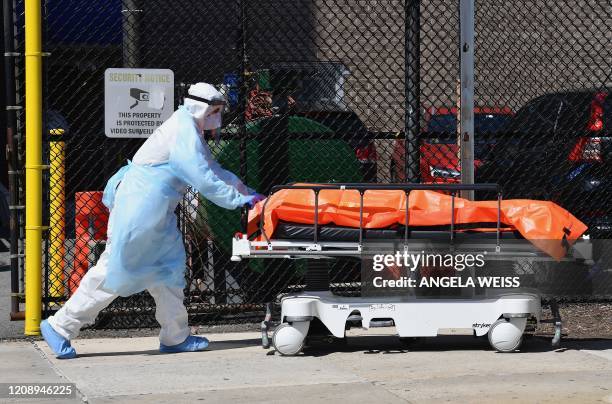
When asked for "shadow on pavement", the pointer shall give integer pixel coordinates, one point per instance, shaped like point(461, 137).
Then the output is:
point(214, 346)
point(389, 344)
point(123, 353)
point(599, 344)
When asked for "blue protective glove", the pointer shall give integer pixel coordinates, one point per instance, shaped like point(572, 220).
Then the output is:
point(191, 344)
point(58, 344)
point(255, 198)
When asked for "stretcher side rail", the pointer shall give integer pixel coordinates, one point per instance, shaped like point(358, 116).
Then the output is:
point(293, 249)
point(362, 188)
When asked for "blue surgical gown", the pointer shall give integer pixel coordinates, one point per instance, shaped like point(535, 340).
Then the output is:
point(146, 247)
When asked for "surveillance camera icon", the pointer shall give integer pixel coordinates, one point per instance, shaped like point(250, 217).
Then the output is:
point(138, 95)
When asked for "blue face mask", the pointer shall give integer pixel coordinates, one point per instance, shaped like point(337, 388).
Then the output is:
point(212, 122)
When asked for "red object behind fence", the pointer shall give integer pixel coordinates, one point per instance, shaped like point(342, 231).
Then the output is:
point(91, 220)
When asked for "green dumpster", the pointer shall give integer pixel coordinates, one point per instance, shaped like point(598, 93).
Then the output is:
point(311, 160)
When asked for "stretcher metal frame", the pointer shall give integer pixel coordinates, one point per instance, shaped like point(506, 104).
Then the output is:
point(291, 249)
point(502, 316)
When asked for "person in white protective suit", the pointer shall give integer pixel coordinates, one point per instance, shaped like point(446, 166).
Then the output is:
point(145, 250)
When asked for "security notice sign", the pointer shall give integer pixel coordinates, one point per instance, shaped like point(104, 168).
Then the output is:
point(137, 101)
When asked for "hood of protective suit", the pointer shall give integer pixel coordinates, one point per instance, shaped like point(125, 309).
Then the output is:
point(206, 115)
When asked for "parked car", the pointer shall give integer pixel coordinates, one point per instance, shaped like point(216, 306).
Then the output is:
point(559, 147)
point(438, 149)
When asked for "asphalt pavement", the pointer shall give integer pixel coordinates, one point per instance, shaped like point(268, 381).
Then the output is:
point(371, 367)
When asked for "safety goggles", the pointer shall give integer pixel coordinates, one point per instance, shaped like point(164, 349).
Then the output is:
point(209, 102)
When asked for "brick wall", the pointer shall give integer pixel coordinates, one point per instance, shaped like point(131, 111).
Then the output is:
point(523, 48)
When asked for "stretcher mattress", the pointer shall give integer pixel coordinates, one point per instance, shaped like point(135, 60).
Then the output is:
point(548, 226)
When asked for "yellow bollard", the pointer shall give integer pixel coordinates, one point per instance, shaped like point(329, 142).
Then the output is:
point(33, 167)
point(57, 213)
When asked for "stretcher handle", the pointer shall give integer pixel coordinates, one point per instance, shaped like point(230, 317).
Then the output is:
point(244, 218)
point(406, 219)
point(452, 232)
point(316, 217)
point(499, 200)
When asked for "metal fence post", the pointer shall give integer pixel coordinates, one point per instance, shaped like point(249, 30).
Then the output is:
point(466, 122)
point(412, 82)
point(131, 33)
point(33, 166)
point(243, 88)
point(11, 152)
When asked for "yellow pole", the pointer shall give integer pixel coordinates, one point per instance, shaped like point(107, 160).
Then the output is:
point(57, 211)
point(33, 167)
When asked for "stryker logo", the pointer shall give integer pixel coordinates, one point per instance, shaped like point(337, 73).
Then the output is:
point(481, 325)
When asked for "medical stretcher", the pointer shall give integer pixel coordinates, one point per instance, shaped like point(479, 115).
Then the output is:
point(503, 314)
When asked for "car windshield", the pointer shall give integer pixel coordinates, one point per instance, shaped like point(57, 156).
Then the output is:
point(483, 123)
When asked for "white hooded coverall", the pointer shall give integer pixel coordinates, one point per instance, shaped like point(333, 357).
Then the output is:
point(144, 249)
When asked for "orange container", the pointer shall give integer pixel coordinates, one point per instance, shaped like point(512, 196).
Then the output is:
point(91, 221)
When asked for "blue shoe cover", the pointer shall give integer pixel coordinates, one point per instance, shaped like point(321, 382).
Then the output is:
point(58, 344)
point(191, 344)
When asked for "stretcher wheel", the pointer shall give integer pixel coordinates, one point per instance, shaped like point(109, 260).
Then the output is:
point(288, 340)
point(505, 335)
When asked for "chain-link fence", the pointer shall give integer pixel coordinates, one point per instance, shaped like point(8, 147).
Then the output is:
point(325, 91)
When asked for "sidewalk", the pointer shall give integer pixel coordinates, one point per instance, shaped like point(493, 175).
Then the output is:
point(8, 328)
point(371, 368)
